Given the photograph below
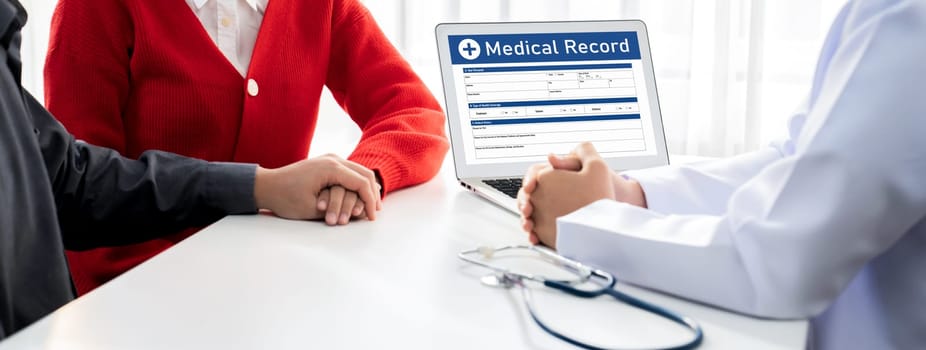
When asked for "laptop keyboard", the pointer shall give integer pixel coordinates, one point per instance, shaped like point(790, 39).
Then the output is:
point(509, 187)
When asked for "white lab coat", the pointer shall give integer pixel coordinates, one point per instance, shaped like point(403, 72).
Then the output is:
point(829, 224)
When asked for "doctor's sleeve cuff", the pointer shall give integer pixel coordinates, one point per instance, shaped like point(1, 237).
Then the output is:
point(230, 187)
point(660, 188)
point(700, 188)
point(605, 234)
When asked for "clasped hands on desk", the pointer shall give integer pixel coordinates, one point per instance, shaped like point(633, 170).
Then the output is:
point(260, 282)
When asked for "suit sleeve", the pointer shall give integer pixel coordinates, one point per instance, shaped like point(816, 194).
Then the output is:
point(87, 69)
point(793, 237)
point(104, 199)
point(403, 126)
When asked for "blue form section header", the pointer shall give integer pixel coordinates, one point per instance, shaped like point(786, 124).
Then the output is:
point(553, 119)
point(552, 102)
point(508, 48)
point(542, 68)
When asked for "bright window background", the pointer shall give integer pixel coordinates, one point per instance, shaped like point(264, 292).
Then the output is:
point(729, 72)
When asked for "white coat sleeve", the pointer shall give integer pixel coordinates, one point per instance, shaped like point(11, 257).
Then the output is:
point(794, 235)
point(703, 187)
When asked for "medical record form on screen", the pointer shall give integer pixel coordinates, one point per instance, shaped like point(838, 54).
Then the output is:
point(523, 96)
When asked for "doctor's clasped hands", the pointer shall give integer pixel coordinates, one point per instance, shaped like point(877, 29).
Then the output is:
point(566, 184)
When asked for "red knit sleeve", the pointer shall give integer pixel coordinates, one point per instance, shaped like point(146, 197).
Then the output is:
point(403, 125)
point(87, 69)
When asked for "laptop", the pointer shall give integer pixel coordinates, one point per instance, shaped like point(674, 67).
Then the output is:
point(516, 92)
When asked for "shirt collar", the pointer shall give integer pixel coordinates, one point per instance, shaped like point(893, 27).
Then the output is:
point(257, 5)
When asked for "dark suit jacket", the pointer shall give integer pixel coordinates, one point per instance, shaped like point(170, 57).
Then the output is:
point(57, 193)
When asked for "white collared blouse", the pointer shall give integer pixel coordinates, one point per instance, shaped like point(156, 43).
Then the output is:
point(233, 26)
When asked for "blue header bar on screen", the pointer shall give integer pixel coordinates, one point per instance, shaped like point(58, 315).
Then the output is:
point(552, 102)
point(552, 47)
point(544, 68)
point(581, 118)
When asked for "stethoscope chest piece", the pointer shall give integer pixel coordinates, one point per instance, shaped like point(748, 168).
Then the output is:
point(497, 280)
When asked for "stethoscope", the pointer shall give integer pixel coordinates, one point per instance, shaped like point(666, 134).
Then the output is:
point(505, 278)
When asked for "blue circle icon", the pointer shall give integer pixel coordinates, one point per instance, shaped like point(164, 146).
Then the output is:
point(469, 49)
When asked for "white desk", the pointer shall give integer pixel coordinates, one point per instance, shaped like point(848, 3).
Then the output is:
point(251, 282)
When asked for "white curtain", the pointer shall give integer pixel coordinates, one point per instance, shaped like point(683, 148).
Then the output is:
point(729, 72)
point(35, 43)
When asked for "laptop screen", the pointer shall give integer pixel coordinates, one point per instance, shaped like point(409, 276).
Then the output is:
point(518, 96)
point(522, 96)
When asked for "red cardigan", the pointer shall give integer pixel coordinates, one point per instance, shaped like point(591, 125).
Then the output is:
point(135, 75)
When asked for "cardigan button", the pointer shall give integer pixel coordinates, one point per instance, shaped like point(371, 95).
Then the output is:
point(252, 87)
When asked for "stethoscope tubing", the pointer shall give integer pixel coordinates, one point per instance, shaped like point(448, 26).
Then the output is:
point(608, 288)
point(606, 282)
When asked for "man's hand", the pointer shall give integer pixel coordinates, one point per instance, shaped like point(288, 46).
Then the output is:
point(340, 205)
point(569, 183)
point(292, 191)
